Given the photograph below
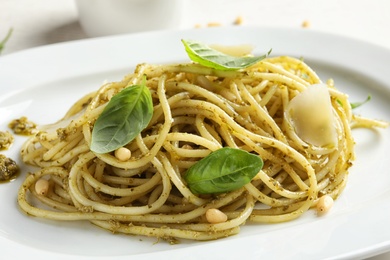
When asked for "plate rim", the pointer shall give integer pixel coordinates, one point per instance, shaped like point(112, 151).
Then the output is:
point(11, 59)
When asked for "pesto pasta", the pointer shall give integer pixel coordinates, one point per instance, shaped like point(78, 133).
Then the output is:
point(140, 188)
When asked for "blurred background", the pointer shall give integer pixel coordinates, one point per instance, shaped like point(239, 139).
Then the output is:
point(42, 22)
point(26, 24)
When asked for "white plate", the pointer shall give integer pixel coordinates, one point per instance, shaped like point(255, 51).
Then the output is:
point(42, 83)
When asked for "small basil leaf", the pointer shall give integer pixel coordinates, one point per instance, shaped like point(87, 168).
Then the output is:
point(358, 104)
point(208, 57)
point(223, 170)
point(124, 117)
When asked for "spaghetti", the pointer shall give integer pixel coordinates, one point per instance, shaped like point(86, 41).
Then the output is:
point(197, 110)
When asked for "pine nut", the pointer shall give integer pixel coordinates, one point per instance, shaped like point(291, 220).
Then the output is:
point(122, 154)
point(215, 216)
point(324, 204)
point(42, 187)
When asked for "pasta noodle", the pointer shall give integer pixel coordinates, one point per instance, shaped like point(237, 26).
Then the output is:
point(197, 110)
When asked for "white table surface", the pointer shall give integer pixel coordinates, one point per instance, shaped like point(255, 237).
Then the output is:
point(42, 22)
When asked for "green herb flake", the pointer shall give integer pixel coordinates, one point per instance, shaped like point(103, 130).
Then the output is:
point(124, 117)
point(223, 170)
point(212, 58)
point(358, 104)
point(4, 41)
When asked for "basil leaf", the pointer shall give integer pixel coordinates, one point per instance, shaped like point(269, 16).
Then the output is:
point(223, 170)
point(124, 117)
point(209, 57)
point(358, 104)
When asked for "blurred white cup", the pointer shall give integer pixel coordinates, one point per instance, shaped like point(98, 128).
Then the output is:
point(108, 17)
